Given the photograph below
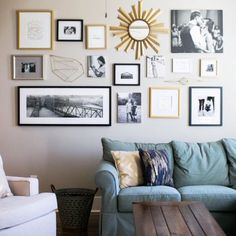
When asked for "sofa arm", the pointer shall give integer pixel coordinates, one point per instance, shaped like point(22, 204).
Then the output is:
point(23, 186)
point(107, 181)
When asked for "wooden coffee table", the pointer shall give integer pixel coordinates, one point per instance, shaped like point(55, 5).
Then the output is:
point(184, 218)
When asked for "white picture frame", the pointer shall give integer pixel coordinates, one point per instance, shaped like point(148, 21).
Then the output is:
point(209, 68)
point(155, 66)
point(182, 65)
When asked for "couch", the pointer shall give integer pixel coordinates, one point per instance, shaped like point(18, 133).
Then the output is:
point(203, 172)
point(27, 212)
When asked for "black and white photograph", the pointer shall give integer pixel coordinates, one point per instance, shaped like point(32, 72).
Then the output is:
point(156, 66)
point(205, 106)
point(70, 30)
point(96, 66)
point(126, 74)
point(64, 105)
point(208, 68)
point(197, 31)
point(129, 108)
point(28, 67)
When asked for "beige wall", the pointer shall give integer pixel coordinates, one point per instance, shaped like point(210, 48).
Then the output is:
point(69, 156)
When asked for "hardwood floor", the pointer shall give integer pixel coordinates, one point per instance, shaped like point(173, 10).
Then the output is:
point(92, 227)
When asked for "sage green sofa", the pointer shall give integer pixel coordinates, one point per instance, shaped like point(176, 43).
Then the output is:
point(203, 172)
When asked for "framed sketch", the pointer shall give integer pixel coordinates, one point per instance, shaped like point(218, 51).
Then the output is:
point(164, 102)
point(70, 30)
point(28, 67)
point(205, 106)
point(197, 31)
point(156, 66)
point(208, 68)
point(182, 65)
point(35, 29)
point(96, 66)
point(82, 106)
point(129, 107)
point(126, 74)
point(96, 37)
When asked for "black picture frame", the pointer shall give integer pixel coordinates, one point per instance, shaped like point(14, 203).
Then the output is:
point(205, 106)
point(64, 105)
point(72, 30)
point(128, 78)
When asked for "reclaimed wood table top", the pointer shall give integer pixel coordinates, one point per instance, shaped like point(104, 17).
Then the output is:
point(184, 218)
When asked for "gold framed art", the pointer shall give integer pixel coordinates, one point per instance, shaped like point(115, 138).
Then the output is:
point(96, 36)
point(164, 102)
point(35, 29)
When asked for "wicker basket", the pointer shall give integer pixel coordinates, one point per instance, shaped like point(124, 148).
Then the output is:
point(74, 205)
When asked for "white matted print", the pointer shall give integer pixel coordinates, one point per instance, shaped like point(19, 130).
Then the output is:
point(96, 36)
point(156, 66)
point(96, 66)
point(129, 108)
point(182, 65)
point(205, 106)
point(208, 68)
point(164, 102)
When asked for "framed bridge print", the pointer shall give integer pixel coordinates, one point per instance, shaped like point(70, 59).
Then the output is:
point(82, 106)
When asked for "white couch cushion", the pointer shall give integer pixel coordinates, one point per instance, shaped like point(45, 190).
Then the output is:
point(16, 210)
point(4, 187)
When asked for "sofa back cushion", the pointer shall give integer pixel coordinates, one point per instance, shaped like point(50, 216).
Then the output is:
point(200, 164)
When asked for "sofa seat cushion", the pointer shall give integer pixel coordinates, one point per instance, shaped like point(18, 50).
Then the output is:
point(143, 194)
point(215, 197)
point(17, 210)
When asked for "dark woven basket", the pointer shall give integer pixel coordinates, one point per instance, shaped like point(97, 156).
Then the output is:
point(74, 205)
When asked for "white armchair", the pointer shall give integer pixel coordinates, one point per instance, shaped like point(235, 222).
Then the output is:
point(27, 213)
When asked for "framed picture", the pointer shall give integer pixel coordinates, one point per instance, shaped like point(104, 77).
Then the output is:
point(70, 30)
point(205, 106)
point(28, 67)
point(96, 37)
point(156, 66)
point(164, 102)
point(126, 74)
point(35, 29)
point(96, 66)
point(182, 65)
point(208, 68)
point(208, 28)
point(82, 106)
point(129, 108)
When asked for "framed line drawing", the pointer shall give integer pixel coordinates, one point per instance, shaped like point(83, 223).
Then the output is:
point(96, 37)
point(69, 30)
point(205, 106)
point(28, 67)
point(208, 68)
point(64, 106)
point(35, 29)
point(164, 102)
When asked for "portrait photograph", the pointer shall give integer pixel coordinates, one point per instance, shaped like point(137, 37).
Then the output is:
point(156, 66)
point(96, 66)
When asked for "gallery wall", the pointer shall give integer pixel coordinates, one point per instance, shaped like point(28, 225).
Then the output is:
point(69, 156)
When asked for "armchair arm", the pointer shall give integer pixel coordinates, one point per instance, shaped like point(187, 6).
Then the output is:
point(106, 179)
point(23, 186)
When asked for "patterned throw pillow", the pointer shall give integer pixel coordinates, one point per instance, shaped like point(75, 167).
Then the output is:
point(156, 167)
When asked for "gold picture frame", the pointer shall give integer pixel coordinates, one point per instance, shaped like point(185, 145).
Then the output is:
point(96, 36)
point(164, 102)
point(35, 29)
point(208, 67)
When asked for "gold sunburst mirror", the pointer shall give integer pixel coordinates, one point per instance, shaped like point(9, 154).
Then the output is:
point(138, 29)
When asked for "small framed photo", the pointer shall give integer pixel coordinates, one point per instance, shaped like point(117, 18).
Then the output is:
point(96, 37)
point(129, 108)
point(28, 67)
point(96, 66)
point(164, 102)
point(35, 29)
point(70, 30)
point(208, 68)
point(182, 65)
point(64, 105)
point(205, 106)
point(156, 66)
point(126, 74)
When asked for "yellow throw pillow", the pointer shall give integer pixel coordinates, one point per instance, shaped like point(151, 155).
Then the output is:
point(128, 165)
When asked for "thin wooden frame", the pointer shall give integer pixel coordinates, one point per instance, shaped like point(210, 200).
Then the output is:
point(88, 37)
point(153, 113)
point(19, 27)
point(210, 74)
point(70, 20)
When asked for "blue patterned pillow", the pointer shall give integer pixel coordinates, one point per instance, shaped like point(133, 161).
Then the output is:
point(156, 167)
